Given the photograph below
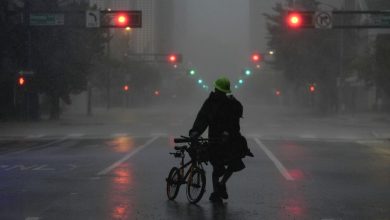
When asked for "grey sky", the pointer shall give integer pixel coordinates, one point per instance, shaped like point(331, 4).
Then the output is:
point(217, 35)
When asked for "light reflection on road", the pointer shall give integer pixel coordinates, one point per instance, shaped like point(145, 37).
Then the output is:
point(119, 199)
point(293, 203)
point(122, 144)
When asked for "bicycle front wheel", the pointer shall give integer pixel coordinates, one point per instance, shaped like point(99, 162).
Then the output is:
point(196, 185)
point(173, 183)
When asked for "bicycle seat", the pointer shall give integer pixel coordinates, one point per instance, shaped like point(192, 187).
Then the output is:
point(180, 147)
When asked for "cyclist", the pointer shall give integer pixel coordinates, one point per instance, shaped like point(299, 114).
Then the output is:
point(221, 113)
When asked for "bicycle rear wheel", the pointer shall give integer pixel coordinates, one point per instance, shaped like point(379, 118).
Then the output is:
point(196, 185)
point(173, 183)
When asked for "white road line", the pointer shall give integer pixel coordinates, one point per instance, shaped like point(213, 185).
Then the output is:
point(373, 133)
point(275, 160)
point(126, 157)
point(31, 147)
point(308, 136)
point(75, 135)
point(159, 134)
point(119, 135)
point(33, 136)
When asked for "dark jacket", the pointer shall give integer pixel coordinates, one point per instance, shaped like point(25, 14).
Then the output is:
point(219, 113)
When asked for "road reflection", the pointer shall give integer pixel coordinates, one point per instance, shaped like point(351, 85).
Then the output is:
point(293, 202)
point(122, 144)
point(171, 141)
point(119, 200)
point(177, 210)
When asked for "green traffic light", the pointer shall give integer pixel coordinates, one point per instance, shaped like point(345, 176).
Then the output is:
point(192, 72)
point(200, 81)
point(241, 81)
point(248, 72)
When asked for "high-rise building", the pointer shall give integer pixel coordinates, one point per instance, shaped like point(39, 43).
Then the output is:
point(143, 39)
point(164, 26)
point(157, 30)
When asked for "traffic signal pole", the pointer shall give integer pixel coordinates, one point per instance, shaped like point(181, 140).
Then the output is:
point(108, 85)
point(308, 19)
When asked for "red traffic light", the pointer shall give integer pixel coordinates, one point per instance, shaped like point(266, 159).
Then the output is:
point(256, 57)
point(156, 93)
point(294, 20)
point(174, 58)
point(312, 88)
point(122, 20)
point(21, 81)
point(278, 93)
point(126, 88)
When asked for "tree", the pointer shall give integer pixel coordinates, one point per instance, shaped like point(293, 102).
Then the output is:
point(12, 53)
point(62, 57)
point(378, 4)
point(306, 55)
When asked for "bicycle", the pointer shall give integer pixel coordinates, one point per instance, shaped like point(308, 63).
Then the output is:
point(195, 176)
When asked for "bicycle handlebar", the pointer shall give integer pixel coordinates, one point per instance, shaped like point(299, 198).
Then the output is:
point(185, 139)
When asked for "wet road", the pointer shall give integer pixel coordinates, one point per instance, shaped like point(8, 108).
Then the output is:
point(123, 178)
point(114, 167)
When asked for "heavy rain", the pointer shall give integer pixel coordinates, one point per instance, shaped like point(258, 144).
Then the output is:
point(194, 109)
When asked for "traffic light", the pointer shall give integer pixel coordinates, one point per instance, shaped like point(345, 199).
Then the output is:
point(299, 19)
point(121, 19)
point(278, 92)
point(294, 20)
point(21, 81)
point(200, 81)
point(248, 72)
point(157, 93)
point(312, 88)
point(241, 81)
point(174, 58)
point(192, 72)
point(256, 57)
point(125, 88)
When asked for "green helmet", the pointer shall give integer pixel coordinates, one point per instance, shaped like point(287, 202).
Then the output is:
point(223, 85)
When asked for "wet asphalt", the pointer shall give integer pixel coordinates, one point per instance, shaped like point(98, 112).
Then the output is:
point(82, 179)
point(302, 169)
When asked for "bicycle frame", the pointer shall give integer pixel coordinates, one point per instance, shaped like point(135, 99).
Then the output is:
point(183, 166)
point(190, 173)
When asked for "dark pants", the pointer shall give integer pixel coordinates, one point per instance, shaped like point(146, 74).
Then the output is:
point(225, 170)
